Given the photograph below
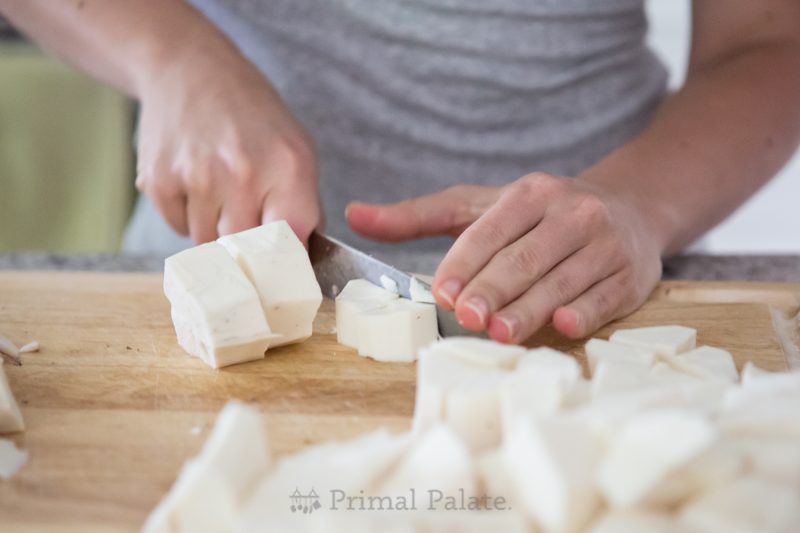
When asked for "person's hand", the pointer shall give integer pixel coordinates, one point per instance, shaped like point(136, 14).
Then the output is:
point(542, 249)
point(219, 152)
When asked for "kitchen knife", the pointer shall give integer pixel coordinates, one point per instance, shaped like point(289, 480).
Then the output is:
point(335, 263)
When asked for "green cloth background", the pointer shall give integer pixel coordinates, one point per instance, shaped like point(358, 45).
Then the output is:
point(66, 156)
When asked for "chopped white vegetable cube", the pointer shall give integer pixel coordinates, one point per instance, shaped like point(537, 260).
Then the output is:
point(11, 459)
point(472, 410)
point(649, 448)
point(333, 471)
point(635, 521)
point(746, 505)
point(715, 466)
point(664, 340)
point(668, 373)
point(10, 415)
point(611, 376)
point(357, 296)
point(215, 309)
point(495, 475)
point(548, 461)
point(200, 501)
point(237, 448)
point(600, 350)
point(550, 364)
point(275, 261)
point(752, 372)
point(437, 461)
point(505, 521)
point(767, 417)
point(213, 486)
point(771, 458)
point(531, 393)
point(397, 331)
point(707, 362)
point(480, 353)
point(438, 371)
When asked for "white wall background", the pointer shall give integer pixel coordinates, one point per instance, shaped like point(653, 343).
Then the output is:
point(770, 221)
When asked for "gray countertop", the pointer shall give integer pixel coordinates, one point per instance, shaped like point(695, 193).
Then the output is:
point(692, 267)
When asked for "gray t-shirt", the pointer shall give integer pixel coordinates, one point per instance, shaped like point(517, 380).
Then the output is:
point(407, 97)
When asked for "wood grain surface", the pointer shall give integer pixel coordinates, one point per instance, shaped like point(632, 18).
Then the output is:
point(114, 407)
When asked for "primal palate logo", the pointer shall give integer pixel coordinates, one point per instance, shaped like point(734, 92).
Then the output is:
point(304, 503)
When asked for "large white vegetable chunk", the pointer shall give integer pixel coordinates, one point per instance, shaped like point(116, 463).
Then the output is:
point(549, 461)
point(213, 487)
point(600, 350)
point(215, 309)
point(10, 415)
point(11, 459)
point(664, 340)
point(397, 331)
point(357, 296)
point(649, 448)
point(746, 505)
point(275, 261)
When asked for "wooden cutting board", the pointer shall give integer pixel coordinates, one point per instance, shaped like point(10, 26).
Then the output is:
point(114, 407)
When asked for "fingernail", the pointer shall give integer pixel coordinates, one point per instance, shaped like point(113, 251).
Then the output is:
point(503, 328)
point(449, 291)
point(479, 307)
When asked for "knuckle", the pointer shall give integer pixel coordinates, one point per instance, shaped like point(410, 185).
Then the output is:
point(521, 260)
point(563, 289)
point(201, 184)
point(593, 212)
point(538, 184)
point(290, 160)
point(487, 234)
point(603, 304)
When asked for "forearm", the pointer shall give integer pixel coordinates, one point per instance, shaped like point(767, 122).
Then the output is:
point(712, 144)
point(120, 42)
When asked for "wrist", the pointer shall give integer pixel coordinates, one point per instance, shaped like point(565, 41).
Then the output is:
point(196, 56)
point(652, 213)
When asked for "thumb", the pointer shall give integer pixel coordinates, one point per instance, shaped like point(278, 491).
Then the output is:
point(447, 212)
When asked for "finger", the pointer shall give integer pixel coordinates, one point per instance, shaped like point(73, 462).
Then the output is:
point(299, 208)
point(534, 309)
point(518, 210)
point(203, 212)
point(239, 213)
point(446, 212)
point(606, 301)
point(515, 268)
point(168, 199)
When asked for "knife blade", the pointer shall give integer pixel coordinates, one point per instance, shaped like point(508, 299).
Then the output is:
point(335, 263)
